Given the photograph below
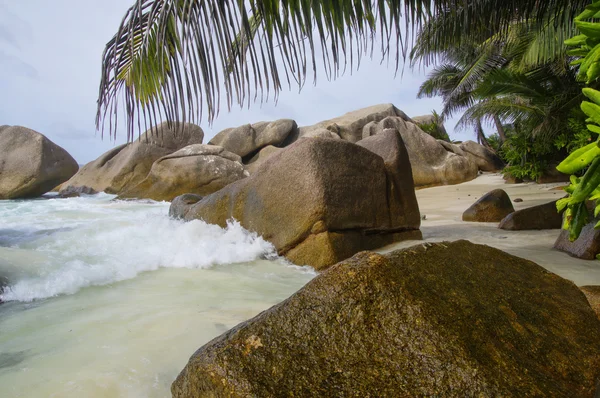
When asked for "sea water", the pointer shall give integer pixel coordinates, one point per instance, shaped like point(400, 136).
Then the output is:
point(109, 298)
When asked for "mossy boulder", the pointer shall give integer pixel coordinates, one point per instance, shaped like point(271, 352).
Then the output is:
point(445, 320)
point(494, 206)
point(318, 201)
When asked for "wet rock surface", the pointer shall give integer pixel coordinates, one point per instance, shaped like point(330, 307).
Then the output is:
point(448, 319)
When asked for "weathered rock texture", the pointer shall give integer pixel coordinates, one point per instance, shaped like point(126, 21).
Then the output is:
point(318, 201)
point(586, 247)
point(485, 159)
point(432, 163)
point(350, 126)
point(437, 320)
point(592, 293)
point(404, 209)
point(250, 138)
point(258, 159)
point(31, 164)
point(197, 169)
point(125, 166)
point(491, 207)
point(536, 217)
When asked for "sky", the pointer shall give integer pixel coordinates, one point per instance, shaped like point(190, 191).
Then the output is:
point(50, 57)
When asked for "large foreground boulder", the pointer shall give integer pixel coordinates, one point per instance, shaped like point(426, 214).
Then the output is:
point(127, 165)
point(435, 320)
point(250, 138)
point(536, 217)
point(318, 201)
point(484, 158)
point(432, 163)
point(31, 164)
point(197, 169)
point(494, 206)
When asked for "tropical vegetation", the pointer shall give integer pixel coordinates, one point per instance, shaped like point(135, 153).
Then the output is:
point(502, 62)
point(586, 188)
point(518, 80)
point(171, 59)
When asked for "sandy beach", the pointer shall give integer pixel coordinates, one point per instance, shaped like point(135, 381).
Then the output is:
point(443, 207)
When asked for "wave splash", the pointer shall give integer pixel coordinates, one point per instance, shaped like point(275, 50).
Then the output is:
point(111, 249)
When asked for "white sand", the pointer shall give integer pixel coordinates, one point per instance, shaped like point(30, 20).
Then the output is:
point(443, 207)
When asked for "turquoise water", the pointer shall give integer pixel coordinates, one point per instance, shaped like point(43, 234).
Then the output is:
point(109, 299)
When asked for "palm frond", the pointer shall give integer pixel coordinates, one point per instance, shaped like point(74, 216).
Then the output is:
point(171, 58)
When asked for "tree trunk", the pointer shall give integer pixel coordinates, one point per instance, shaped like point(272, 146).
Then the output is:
point(480, 136)
point(500, 128)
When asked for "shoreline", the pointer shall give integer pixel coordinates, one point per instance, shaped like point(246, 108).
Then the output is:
point(443, 207)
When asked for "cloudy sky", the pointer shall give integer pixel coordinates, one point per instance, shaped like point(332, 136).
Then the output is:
point(50, 53)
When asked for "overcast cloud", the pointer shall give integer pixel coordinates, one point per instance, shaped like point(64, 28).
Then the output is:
point(50, 53)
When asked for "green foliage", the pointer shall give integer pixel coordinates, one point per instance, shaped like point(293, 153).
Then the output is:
point(527, 158)
point(576, 135)
point(495, 142)
point(587, 48)
point(174, 59)
point(436, 127)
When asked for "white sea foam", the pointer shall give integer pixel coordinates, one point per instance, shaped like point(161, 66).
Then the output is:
point(95, 241)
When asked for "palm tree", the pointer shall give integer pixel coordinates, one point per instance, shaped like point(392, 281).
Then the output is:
point(170, 58)
point(521, 72)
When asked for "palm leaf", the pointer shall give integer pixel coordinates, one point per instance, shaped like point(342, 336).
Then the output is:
point(172, 58)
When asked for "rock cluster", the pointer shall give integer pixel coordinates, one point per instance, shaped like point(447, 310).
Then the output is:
point(321, 200)
point(150, 167)
point(125, 166)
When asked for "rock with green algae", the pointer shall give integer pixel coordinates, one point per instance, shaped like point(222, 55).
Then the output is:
point(447, 320)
